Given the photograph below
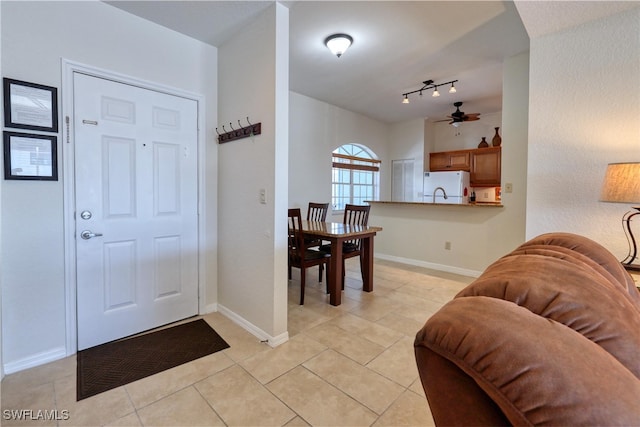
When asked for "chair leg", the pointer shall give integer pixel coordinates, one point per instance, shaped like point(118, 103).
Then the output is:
point(344, 272)
point(302, 279)
point(326, 277)
point(320, 273)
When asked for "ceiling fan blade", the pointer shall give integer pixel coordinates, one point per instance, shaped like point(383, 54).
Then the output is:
point(471, 119)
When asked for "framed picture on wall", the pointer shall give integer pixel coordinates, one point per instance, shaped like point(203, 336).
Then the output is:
point(30, 106)
point(30, 156)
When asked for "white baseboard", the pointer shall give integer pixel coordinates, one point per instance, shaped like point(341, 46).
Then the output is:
point(35, 360)
point(253, 329)
point(431, 265)
point(211, 308)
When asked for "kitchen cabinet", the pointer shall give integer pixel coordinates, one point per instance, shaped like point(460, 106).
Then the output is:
point(486, 167)
point(450, 160)
point(484, 164)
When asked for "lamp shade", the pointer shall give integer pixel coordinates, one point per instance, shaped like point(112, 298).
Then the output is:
point(621, 183)
point(338, 43)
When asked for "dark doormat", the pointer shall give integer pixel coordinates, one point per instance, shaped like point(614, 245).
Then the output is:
point(116, 363)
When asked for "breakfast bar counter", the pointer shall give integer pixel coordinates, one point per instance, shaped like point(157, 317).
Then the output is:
point(466, 205)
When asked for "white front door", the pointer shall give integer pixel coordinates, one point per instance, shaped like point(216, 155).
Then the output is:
point(135, 210)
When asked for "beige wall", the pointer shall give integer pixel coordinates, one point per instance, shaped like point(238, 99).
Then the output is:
point(584, 113)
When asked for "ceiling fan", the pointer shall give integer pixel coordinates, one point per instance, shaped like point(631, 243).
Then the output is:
point(458, 116)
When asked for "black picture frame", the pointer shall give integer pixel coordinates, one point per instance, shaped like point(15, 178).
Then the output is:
point(30, 106)
point(30, 156)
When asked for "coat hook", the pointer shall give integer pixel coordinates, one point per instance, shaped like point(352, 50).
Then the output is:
point(231, 125)
point(224, 129)
point(249, 121)
point(239, 124)
point(217, 132)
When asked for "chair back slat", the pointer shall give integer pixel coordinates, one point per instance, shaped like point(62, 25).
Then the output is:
point(296, 238)
point(356, 215)
point(317, 211)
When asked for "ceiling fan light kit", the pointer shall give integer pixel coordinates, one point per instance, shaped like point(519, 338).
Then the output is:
point(458, 117)
point(429, 84)
point(338, 43)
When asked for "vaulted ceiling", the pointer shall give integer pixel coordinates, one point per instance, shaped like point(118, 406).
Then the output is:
point(397, 45)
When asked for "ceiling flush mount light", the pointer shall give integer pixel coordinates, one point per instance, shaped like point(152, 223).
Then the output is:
point(338, 43)
point(429, 84)
point(622, 185)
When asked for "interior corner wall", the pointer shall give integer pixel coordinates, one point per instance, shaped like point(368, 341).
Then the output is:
point(584, 109)
point(32, 248)
point(316, 128)
point(252, 260)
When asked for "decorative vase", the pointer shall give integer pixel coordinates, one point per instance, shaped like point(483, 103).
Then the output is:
point(483, 143)
point(497, 140)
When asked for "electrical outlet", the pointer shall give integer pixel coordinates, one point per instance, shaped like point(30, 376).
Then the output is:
point(447, 245)
point(508, 187)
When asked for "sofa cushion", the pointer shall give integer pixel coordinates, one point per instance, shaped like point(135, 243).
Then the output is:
point(538, 371)
point(568, 292)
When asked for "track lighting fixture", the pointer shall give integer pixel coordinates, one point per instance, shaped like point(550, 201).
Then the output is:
point(429, 84)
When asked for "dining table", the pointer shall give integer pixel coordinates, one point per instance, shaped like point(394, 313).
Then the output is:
point(337, 233)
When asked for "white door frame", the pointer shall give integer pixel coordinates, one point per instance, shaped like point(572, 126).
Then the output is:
point(68, 162)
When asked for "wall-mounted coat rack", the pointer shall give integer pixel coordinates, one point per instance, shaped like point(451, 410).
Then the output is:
point(242, 132)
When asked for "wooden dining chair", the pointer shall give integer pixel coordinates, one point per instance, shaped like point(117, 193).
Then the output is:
point(301, 257)
point(315, 212)
point(354, 215)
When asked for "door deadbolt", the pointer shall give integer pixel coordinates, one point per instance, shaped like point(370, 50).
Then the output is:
point(85, 215)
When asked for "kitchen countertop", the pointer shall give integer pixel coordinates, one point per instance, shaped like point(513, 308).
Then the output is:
point(467, 205)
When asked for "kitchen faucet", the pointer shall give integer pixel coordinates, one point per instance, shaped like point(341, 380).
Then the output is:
point(444, 193)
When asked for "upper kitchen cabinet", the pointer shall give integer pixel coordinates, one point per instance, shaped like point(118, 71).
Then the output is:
point(486, 167)
point(483, 163)
point(450, 160)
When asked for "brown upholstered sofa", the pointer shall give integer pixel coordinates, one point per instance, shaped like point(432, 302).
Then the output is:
point(548, 335)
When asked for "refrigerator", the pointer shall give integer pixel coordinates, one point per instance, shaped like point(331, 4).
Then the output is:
point(455, 184)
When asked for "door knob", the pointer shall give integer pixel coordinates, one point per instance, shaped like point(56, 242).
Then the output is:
point(86, 234)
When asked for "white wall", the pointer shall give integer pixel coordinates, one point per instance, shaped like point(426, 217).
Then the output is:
point(35, 36)
point(406, 141)
point(416, 234)
point(253, 75)
point(1, 114)
point(445, 137)
point(584, 113)
point(316, 129)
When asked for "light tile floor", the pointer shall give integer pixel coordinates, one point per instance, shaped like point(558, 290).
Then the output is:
point(350, 365)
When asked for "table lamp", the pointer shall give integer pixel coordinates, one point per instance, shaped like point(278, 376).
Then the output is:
point(622, 185)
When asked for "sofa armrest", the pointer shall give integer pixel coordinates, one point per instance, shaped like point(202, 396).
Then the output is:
point(537, 371)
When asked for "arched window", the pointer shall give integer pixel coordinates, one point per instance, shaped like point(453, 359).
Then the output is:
point(355, 176)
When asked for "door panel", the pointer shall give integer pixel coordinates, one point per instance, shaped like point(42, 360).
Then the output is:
point(136, 173)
